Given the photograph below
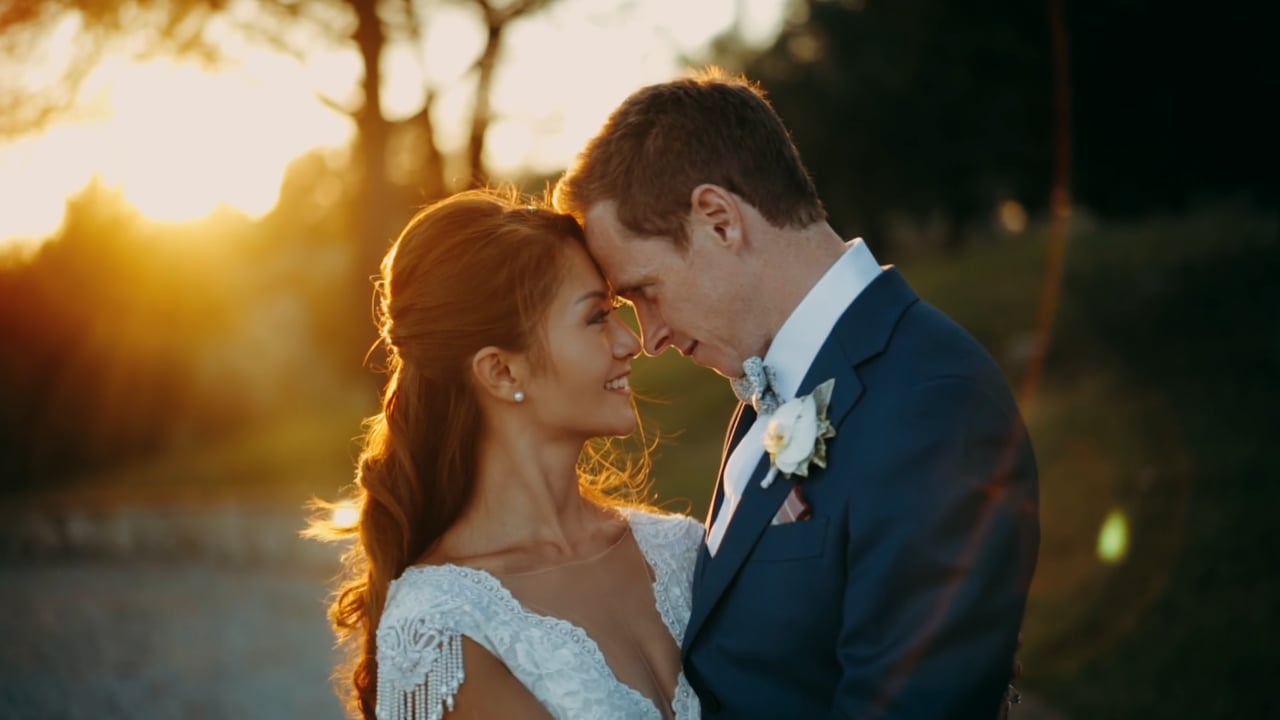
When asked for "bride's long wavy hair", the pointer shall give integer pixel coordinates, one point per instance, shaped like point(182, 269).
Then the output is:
point(474, 270)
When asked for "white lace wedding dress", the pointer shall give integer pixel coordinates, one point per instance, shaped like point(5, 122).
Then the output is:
point(430, 608)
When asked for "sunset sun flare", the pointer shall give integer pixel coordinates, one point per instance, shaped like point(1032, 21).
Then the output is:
point(219, 139)
point(179, 139)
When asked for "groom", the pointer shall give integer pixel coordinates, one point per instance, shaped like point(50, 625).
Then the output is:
point(880, 571)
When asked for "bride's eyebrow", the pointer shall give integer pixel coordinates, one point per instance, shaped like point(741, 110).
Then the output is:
point(593, 295)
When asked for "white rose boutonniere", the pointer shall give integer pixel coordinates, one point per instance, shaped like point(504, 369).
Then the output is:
point(796, 435)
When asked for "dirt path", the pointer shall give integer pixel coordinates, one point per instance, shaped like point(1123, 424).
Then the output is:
point(162, 613)
point(155, 611)
point(110, 639)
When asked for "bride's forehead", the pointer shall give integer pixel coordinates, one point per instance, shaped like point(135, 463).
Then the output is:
point(580, 270)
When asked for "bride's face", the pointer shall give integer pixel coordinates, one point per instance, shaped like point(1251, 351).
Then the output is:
point(583, 390)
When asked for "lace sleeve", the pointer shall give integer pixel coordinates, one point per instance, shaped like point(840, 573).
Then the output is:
point(419, 670)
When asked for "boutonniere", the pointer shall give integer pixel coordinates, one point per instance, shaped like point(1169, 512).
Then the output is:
point(797, 433)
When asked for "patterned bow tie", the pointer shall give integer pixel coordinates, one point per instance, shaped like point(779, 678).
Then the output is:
point(756, 386)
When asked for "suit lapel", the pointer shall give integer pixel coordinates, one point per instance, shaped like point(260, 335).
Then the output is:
point(758, 505)
point(742, 421)
point(743, 418)
point(860, 334)
point(755, 510)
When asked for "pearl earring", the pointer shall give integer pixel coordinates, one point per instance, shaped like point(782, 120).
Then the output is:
point(519, 396)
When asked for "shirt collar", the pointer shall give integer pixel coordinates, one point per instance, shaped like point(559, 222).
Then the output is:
point(800, 338)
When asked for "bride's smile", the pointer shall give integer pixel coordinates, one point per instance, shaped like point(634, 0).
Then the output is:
point(583, 388)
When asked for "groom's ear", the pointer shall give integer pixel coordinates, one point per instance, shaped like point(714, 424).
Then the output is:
point(715, 211)
point(497, 373)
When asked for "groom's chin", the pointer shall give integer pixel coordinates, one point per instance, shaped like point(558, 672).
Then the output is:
point(725, 368)
point(722, 372)
point(700, 358)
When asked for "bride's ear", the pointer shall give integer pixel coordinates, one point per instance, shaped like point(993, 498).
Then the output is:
point(498, 374)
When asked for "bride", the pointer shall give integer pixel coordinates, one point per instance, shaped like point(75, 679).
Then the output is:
point(492, 577)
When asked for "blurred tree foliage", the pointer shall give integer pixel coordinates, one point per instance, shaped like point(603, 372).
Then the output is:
point(199, 29)
point(118, 338)
point(916, 107)
point(122, 337)
point(935, 110)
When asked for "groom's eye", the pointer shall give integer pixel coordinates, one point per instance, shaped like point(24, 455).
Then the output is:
point(630, 295)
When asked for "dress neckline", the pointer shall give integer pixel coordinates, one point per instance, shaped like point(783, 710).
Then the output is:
point(493, 582)
point(576, 562)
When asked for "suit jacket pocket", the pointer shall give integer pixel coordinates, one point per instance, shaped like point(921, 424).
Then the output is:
point(792, 541)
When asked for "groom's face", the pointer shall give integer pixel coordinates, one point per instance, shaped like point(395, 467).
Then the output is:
point(683, 298)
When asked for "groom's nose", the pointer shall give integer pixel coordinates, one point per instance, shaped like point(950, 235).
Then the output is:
point(655, 344)
point(655, 333)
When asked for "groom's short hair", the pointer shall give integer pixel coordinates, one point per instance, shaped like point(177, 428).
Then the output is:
point(666, 139)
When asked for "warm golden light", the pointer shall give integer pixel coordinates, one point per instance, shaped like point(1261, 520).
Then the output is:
point(1113, 538)
point(345, 516)
point(178, 140)
point(37, 177)
point(216, 139)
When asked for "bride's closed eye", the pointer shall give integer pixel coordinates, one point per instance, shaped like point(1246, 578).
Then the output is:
point(601, 315)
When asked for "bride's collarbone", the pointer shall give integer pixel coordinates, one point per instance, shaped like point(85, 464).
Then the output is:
point(530, 555)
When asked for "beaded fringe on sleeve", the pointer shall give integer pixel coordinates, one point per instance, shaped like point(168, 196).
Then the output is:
point(419, 672)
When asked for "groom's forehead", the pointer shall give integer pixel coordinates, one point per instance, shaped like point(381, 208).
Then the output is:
point(608, 237)
point(607, 241)
point(601, 222)
point(628, 260)
point(624, 272)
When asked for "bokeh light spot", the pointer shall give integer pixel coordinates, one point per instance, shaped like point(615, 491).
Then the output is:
point(1013, 217)
point(1113, 538)
point(345, 516)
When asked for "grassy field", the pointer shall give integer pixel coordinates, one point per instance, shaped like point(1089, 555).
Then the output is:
point(1158, 406)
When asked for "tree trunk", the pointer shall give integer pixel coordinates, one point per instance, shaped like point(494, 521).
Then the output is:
point(373, 132)
point(482, 115)
point(431, 183)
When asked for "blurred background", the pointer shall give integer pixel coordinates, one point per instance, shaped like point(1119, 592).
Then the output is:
point(194, 194)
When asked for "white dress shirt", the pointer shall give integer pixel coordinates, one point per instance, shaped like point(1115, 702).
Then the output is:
point(790, 354)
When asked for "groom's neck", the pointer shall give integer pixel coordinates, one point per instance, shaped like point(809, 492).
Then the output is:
point(791, 263)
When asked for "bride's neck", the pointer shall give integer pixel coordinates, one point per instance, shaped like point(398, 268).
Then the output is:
point(526, 495)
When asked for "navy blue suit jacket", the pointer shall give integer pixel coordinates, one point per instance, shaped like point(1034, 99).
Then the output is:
point(902, 596)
